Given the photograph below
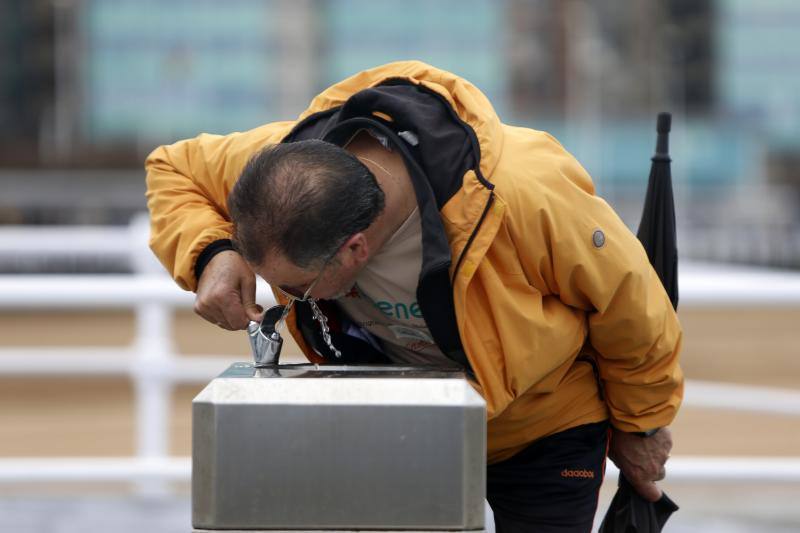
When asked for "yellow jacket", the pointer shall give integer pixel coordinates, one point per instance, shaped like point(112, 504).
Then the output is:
point(531, 290)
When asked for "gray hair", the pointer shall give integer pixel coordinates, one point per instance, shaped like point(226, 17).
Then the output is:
point(302, 199)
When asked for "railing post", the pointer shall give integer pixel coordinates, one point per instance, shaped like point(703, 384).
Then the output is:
point(154, 349)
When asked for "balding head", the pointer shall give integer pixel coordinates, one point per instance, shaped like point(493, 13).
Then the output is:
point(302, 199)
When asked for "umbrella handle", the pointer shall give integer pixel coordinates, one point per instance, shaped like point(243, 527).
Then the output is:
point(663, 126)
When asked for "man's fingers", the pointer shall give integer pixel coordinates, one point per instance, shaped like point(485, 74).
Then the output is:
point(229, 315)
point(236, 316)
point(204, 311)
point(226, 292)
point(225, 325)
point(646, 489)
point(254, 311)
point(218, 319)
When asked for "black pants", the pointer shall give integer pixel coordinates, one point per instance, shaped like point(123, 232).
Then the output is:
point(552, 485)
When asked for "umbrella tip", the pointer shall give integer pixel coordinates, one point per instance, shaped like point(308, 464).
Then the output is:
point(664, 122)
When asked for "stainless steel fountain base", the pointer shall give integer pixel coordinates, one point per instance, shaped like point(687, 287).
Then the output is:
point(338, 448)
point(333, 531)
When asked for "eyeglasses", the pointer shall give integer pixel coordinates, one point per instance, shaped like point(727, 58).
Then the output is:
point(294, 295)
point(316, 312)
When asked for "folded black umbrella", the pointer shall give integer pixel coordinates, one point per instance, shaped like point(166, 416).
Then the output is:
point(629, 512)
point(657, 227)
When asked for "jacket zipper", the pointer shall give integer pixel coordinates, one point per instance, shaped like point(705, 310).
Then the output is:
point(463, 254)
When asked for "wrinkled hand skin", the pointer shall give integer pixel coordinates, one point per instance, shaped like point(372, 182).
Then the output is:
point(642, 459)
point(226, 292)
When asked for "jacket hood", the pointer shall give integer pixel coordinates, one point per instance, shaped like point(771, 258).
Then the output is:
point(467, 101)
point(448, 135)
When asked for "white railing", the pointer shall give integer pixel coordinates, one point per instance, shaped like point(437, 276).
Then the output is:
point(689, 469)
point(154, 367)
point(151, 361)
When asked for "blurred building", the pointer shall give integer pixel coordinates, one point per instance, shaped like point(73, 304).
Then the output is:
point(89, 87)
point(26, 76)
point(96, 84)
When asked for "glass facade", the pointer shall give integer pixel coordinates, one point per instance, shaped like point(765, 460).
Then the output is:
point(758, 68)
point(160, 69)
point(466, 37)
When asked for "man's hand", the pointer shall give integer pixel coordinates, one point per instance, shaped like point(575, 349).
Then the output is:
point(642, 459)
point(226, 292)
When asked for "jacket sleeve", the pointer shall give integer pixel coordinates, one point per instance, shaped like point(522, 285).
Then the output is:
point(632, 328)
point(187, 187)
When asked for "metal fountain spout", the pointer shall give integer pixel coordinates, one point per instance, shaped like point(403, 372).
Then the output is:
point(265, 340)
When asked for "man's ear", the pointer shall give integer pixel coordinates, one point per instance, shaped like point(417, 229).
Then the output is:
point(355, 250)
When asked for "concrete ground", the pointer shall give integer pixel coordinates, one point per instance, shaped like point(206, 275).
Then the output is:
point(45, 416)
point(171, 514)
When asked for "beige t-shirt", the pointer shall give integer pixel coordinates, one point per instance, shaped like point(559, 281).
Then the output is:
point(384, 299)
